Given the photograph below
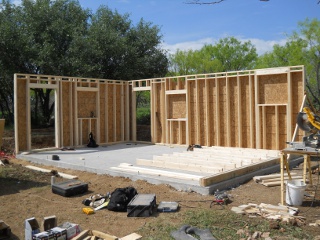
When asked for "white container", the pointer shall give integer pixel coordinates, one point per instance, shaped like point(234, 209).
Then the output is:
point(294, 192)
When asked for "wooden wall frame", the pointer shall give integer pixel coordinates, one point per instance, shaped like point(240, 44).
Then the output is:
point(231, 109)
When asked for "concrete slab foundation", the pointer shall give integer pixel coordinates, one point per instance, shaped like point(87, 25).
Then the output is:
point(121, 160)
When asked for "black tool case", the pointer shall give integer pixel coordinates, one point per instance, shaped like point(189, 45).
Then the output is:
point(69, 188)
point(141, 205)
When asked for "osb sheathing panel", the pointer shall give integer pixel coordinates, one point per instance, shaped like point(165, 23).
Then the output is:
point(22, 119)
point(102, 113)
point(175, 132)
point(130, 112)
point(245, 99)
point(66, 108)
point(270, 128)
point(177, 106)
point(234, 111)
point(282, 111)
point(161, 107)
point(269, 88)
point(88, 125)
point(118, 113)
point(222, 111)
point(110, 113)
point(202, 111)
point(178, 132)
point(176, 83)
point(86, 104)
point(158, 113)
point(192, 116)
point(212, 112)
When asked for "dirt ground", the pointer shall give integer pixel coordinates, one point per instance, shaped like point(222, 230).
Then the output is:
point(25, 193)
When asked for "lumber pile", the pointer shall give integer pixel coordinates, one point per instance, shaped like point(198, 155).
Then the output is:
point(272, 212)
point(212, 160)
point(275, 179)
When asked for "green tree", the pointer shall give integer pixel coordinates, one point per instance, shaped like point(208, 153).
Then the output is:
point(234, 55)
point(229, 54)
point(292, 53)
point(35, 38)
point(181, 63)
point(58, 37)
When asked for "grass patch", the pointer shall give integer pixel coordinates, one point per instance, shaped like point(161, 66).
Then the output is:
point(223, 224)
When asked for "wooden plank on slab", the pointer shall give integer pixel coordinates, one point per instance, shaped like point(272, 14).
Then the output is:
point(148, 171)
point(209, 180)
point(191, 167)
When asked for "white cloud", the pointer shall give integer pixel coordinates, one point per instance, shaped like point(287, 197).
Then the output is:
point(264, 46)
point(185, 46)
point(261, 45)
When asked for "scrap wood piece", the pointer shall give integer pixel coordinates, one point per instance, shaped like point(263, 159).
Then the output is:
point(277, 175)
point(278, 183)
point(269, 211)
point(64, 175)
point(88, 234)
point(279, 179)
point(132, 236)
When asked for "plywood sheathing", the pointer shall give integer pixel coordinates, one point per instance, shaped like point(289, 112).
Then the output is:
point(20, 87)
point(66, 115)
point(234, 109)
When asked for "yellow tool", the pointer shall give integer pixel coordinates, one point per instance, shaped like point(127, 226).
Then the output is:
point(88, 211)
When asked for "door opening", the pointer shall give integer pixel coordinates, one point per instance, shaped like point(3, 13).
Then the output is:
point(42, 114)
point(143, 116)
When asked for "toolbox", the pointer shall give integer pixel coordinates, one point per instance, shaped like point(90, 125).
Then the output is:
point(69, 188)
point(141, 205)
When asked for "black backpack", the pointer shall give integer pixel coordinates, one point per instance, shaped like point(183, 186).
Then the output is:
point(120, 199)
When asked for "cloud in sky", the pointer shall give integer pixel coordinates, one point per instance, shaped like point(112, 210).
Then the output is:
point(261, 45)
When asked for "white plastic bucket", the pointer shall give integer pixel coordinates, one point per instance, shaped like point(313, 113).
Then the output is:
point(294, 192)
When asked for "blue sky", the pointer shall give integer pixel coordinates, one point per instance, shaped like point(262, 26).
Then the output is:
point(190, 26)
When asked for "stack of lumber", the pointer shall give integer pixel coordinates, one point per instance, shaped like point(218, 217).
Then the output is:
point(271, 212)
point(211, 160)
point(275, 179)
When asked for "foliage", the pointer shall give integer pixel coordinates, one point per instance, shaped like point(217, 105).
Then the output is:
point(143, 116)
point(229, 54)
point(234, 55)
point(60, 38)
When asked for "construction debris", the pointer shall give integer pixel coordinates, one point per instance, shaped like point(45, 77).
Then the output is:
point(272, 212)
point(54, 172)
point(315, 224)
